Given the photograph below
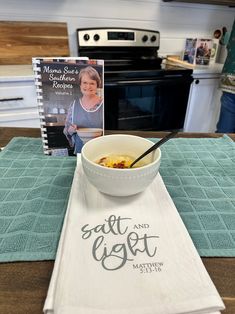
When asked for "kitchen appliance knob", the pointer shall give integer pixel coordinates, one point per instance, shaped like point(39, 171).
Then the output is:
point(153, 38)
point(96, 37)
point(144, 38)
point(197, 82)
point(86, 37)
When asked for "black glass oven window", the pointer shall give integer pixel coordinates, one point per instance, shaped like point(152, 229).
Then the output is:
point(137, 108)
point(155, 106)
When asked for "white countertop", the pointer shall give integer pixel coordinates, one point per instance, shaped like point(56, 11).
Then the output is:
point(16, 73)
point(203, 70)
point(25, 72)
point(214, 68)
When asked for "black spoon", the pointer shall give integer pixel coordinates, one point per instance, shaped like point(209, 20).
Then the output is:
point(155, 146)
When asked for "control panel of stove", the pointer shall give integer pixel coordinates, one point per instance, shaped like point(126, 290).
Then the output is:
point(117, 37)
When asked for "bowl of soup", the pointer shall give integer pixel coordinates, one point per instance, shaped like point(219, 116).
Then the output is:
point(106, 163)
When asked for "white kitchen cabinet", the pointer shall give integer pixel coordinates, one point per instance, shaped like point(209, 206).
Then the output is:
point(18, 103)
point(203, 104)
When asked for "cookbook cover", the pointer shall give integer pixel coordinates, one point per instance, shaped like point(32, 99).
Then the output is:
point(70, 98)
point(198, 51)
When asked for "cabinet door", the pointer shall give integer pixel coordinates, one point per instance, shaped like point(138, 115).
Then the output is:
point(18, 104)
point(203, 105)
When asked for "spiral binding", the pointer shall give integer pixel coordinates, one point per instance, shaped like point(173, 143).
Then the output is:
point(38, 83)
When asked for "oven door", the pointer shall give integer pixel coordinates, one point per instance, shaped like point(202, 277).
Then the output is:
point(146, 104)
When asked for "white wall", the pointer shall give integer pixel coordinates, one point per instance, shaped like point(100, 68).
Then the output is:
point(175, 21)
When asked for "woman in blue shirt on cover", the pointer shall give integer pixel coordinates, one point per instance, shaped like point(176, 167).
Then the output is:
point(86, 111)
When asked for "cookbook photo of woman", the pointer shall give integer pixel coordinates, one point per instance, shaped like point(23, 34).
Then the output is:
point(85, 119)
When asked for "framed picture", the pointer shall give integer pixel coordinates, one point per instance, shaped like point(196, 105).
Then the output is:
point(198, 51)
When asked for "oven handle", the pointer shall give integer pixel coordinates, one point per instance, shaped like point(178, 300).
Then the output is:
point(137, 82)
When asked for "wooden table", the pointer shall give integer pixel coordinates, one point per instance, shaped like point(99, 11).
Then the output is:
point(23, 285)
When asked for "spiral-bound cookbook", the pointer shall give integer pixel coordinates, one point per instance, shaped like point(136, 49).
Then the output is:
point(70, 96)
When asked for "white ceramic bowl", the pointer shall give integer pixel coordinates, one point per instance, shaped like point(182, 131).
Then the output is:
point(87, 134)
point(119, 182)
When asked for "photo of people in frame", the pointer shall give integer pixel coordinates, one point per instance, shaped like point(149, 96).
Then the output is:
point(203, 51)
point(198, 51)
point(190, 50)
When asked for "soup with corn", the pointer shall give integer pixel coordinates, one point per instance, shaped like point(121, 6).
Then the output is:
point(118, 161)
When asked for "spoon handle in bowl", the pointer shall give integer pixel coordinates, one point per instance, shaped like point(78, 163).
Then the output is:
point(155, 146)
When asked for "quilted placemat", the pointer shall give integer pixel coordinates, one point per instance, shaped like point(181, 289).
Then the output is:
point(34, 189)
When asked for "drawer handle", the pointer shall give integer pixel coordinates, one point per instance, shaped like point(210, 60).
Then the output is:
point(11, 99)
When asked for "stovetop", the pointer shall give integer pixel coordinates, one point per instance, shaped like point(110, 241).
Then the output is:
point(126, 52)
point(132, 64)
point(151, 72)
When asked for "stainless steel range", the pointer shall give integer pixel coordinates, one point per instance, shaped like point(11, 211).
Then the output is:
point(140, 92)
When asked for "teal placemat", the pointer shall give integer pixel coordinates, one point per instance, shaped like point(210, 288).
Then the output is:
point(34, 189)
point(200, 177)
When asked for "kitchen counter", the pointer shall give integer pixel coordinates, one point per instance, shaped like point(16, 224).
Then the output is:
point(211, 71)
point(9, 73)
point(25, 72)
point(215, 68)
point(25, 284)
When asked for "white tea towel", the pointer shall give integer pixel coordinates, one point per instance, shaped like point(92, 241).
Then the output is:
point(129, 255)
